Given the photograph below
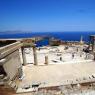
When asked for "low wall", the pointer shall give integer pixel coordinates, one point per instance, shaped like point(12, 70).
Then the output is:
point(12, 64)
point(10, 53)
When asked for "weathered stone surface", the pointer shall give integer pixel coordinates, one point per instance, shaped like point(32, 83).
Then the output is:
point(12, 64)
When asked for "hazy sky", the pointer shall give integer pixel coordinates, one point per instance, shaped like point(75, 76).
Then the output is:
point(47, 15)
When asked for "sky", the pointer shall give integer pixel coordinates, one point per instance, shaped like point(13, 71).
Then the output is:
point(47, 15)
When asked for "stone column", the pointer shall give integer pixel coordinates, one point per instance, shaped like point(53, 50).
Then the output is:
point(35, 55)
point(23, 56)
point(94, 56)
point(46, 60)
point(93, 45)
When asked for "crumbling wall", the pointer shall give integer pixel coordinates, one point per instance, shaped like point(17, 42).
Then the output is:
point(12, 64)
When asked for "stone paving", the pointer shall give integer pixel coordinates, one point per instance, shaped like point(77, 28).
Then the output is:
point(68, 70)
point(59, 74)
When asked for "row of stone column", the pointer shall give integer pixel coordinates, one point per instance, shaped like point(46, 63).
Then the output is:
point(35, 56)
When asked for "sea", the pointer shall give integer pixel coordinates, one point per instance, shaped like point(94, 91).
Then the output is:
point(65, 36)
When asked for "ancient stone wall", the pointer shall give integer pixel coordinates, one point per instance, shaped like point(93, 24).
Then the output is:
point(12, 64)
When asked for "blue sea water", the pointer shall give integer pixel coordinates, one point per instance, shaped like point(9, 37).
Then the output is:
point(65, 36)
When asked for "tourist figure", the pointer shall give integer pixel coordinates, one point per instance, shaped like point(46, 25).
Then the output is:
point(60, 58)
point(73, 55)
point(86, 56)
point(80, 55)
point(77, 49)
